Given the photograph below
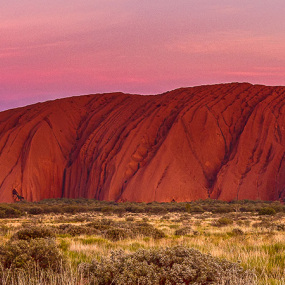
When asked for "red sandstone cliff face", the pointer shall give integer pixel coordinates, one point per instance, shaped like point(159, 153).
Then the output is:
point(222, 141)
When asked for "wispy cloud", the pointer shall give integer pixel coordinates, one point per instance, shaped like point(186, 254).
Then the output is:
point(255, 74)
point(232, 42)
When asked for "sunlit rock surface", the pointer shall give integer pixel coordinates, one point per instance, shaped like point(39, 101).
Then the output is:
point(222, 141)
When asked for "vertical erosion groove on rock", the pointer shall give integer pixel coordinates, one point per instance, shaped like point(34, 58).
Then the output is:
point(221, 141)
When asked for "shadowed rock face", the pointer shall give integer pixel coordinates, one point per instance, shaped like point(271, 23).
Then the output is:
point(222, 141)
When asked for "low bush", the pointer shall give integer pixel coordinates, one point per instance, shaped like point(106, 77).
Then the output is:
point(68, 229)
point(34, 232)
point(265, 225)
point(101, 225)
point(196, 209)
point(237, 232)
point(224, 221)
point(147, 230)
point(178, 265)
point(43, 253)
point(121, 230)
point(9, 212)
point(245, 223)
point(116, 234)
point(73, 206)
point(35, 210)
point(267, 211)
point(183, 231)
point(73, 209)
point(222, 209)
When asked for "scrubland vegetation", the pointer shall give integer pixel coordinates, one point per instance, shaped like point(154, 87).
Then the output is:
point(83, 241)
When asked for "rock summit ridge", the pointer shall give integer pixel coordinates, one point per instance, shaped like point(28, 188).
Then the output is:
point(224, 141)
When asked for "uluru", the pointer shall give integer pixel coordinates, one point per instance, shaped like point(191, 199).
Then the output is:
point(224, 141)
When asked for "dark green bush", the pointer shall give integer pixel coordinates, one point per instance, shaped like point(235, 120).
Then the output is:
point(26, 254)
point(35, 210)
point(72, 209)
point(267, 211)
point(9, 212)
point(183, 231)
point(73, 206)
point(178, 265)
point(156, 209)
point(243, 223)
point(188, 208)
point(121, 230)
point(55, 209)
point(222, 209)
point(147, 230)
point(73, 230)
point(265, 224)
point(119, 211)
point(116, 234)
point(101, 225)
point(224, 221)
point(196, 209)
point(33, 233)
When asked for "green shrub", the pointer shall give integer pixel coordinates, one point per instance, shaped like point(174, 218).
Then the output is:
point(26, 254)
point(224, 221)
point(147, 230)
point(119, 211)
point(9, 212)
point(222, 209)
point(35, 210)
point(267, 211)
point(55, 209)
point(243, 223)
point(183, 231)
point(34, 232)
point(84, 205)
point(188, 208)
point(268, 225)
point(178, 265)
point(116, 234)
point(196, 209)
point(156, 209)
point(101, 225)
point(121, 230)
point(72, 209)
point(76, 230)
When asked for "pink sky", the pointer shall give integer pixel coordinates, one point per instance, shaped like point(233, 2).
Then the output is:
point(58, 48)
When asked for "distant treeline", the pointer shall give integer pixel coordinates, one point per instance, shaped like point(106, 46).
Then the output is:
point(74, 206)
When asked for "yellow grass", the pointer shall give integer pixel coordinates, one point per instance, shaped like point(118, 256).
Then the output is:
point(258, 248)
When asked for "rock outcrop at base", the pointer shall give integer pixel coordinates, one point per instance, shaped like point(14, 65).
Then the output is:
point(223, 141)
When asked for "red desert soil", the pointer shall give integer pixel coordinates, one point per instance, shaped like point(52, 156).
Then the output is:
point(222, 141)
